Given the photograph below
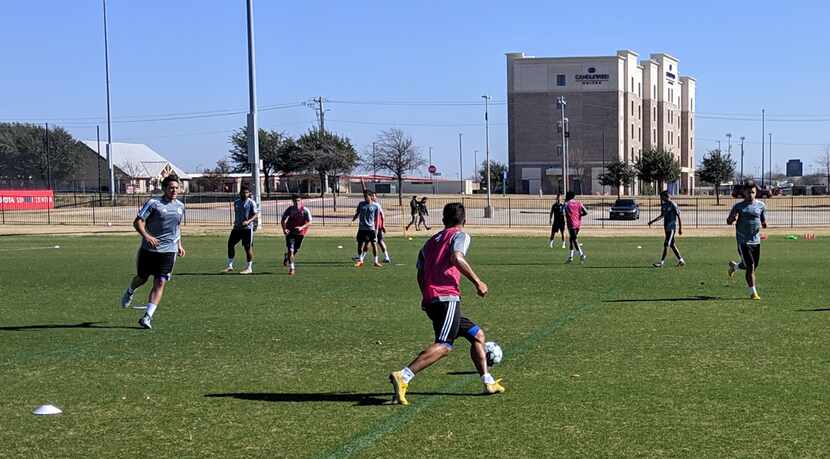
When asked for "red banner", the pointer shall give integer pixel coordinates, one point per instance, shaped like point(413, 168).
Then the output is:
point(26, 199)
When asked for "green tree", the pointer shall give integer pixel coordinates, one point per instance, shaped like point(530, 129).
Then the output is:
point(278, 152)
point(24, 153)
point(327, 154)
point(716, 168)
point(396, 153)
point(656, 165)
point(618, 174)
point(497, 171)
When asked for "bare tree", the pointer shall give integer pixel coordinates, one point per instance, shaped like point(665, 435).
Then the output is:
point(396, 152)
point(823, 162)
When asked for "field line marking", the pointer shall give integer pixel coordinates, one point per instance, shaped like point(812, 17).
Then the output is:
point(367, 439)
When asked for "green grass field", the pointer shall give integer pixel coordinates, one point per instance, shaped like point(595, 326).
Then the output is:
point(613, 358)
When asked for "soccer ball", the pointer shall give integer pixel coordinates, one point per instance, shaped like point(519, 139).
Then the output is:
point(493, 352)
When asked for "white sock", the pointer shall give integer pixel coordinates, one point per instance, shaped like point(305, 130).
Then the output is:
point(376, 258)
point(249, 265)
point(407, 374)
point(487, 378)
point(551, 243)
point(362, 256)
point(581, 253)
point(151, 309)
point(572, 254)
point(753, 291)
point(386, 255)
point(291, 265)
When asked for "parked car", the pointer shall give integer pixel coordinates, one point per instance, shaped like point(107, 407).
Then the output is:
point(625, 209)
point(763, 193)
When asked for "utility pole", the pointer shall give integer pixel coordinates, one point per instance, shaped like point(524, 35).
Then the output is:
point(253, 128)
point(742, 158)
point(763, 132)
point(321, 116)
point(770, 159)
point(488, 209)
point(98, 151)
point(561, 103)
point(48, 164)
point(374, 163)
point(460, 164)
point(475, 162)
point(729, 140)
point(431, 175)
point(110, 165)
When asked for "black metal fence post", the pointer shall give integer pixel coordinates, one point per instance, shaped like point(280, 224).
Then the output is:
point(509, 213)
point(792, 210)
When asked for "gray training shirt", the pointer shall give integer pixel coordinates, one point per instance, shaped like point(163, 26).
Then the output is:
point(162, 219)
point(367, 214)
point(670, 213)
point(243, 210)
point(750, 216)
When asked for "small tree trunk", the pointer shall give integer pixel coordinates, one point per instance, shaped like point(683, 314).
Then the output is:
point(400, 191)
point(322, 184)
point(717, 195)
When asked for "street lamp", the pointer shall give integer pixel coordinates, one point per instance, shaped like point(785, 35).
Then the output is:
point(561, 103)
point(742, 158)
point(460, 164)
point(488, 209)
point(253, 130)
point(109, 111)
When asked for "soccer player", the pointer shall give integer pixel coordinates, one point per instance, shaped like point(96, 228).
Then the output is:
point(557, 220)
point(748, 216)
point(381, 226)
point(423, 212)
point(440, 265)
point(413, 210)
point(574, 211)
point(158, 224)
point(245, 214)
point(295, 222)
point(672, 223)
point(367, 229)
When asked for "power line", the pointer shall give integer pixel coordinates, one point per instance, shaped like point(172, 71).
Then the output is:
point(440, 125)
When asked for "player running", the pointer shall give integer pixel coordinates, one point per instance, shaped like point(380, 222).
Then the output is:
point(574, 211)
point(748, 216)
point(367, 229)
point(295, 222)
point(158, 223)
point(557, 220)
point(670, 213)
point(245, 215)
point(413, 210)
point(440, 265)
point(423, 213)
point(381, 233)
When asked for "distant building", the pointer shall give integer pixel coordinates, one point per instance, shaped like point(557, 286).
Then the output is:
point(138, 168)
point(617, 106)
point(795, 168)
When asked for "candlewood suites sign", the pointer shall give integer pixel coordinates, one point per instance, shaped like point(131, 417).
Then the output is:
point(592, 77)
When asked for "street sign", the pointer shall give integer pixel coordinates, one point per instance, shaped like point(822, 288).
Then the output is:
point(432, 169)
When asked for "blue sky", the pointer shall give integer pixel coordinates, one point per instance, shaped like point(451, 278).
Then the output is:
point(173, 57)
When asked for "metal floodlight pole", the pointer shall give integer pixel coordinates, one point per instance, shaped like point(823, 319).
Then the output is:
point(763, 132)
point(560, 101)
point(729, 143)
point(98, 151)
point(742, 157)
point(253, 129)
point(48, 164)
point(770, 159)
point(431, 175)
point(460, 164)
point(475, 162)
point(110, 165)
point(488, 209)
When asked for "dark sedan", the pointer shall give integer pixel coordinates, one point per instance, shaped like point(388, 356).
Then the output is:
point(625, 209)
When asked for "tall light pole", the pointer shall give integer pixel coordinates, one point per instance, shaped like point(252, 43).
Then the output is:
point(253, 129)
point(109, 111)
point(431, 175)
point(488, 209)
point(763, 131)
point(742, 157)
point(475, 163)
point(461, 164)
point(729, 144)
point(770, 159)
point(561, 103)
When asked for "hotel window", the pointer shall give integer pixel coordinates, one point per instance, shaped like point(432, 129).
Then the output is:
point(632, 108)
point(640, 89)
point(632, 130)
point(640, 134)
point(632, 84)
point(560, 80)
point(654, 137)
point(640, 112)
point(654, 92)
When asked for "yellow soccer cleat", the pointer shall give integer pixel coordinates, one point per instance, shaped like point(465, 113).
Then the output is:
point(495, 388)
point(732, 268)
point(755, 296)
point(399, 388)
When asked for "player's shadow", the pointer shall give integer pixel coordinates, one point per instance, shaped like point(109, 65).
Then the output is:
point(231, 274)
point(814, 310)
point(462, 373)
point(358, 399)
point(617, 267)
point(660, 300)
point(82, 325)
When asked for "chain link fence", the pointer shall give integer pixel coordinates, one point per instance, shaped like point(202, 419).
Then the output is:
point(216, 209)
